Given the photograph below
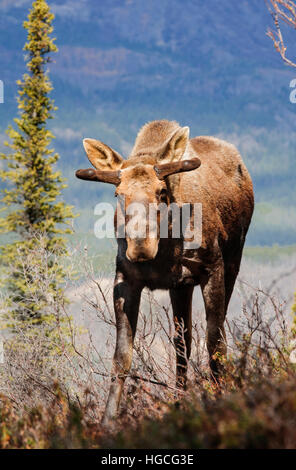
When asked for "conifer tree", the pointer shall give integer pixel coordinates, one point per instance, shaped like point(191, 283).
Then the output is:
point(32, 211)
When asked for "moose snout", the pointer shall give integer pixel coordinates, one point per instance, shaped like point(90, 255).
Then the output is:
point(140, 252)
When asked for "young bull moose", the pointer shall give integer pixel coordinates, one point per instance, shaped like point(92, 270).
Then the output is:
point(165, 166)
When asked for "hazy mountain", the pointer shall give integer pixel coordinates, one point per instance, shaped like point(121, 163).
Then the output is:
point(207, 64)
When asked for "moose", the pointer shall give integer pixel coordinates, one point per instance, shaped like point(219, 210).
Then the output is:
point(165, 166)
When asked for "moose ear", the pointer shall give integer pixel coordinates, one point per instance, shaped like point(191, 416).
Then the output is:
point(101, 156)
point(175, 147)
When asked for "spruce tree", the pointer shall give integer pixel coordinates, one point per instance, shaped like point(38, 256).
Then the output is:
point(32, 211)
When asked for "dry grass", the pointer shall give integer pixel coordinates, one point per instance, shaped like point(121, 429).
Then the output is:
point(53, 387)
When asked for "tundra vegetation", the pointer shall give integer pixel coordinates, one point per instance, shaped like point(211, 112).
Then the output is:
point(55, 375)
point(56, 398)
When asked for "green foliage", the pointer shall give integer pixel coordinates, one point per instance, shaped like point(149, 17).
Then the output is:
point(30, 200)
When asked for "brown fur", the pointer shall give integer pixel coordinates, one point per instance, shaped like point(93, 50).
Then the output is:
point(152, 136)
point(223, 185)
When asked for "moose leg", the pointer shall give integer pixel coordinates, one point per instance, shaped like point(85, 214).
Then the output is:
point(213, 290)
point(181, 299)
point(231, 271)
point(126, 305)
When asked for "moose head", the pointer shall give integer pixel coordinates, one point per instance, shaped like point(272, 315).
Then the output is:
point(142, 178)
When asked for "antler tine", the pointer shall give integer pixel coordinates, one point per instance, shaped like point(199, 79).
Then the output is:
point(167, 169)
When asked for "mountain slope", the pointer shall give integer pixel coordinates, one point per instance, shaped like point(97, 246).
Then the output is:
point(208, 65)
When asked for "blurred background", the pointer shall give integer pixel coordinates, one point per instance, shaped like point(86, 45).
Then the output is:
point(208, 65)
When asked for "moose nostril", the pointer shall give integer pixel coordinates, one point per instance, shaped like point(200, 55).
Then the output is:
point(135, 257)
point(141, 256)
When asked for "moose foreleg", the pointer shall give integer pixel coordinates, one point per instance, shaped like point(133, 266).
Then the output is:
point(126, 306)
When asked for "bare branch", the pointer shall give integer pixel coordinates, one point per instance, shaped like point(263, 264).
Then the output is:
point(281, 11)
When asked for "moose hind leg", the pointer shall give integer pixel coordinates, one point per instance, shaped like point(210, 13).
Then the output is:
point(126, 304)
point(181, 299)
point(213, 291)
point(231, 271)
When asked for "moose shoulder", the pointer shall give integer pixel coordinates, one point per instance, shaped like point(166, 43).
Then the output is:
point(165, 166)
